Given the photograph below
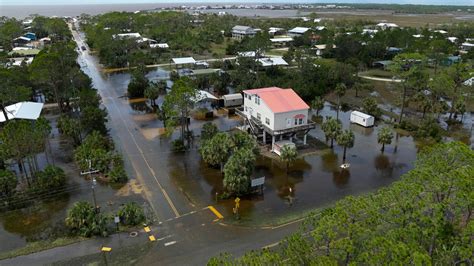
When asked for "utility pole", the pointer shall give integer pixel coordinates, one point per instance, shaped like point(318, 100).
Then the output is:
point(94, 182)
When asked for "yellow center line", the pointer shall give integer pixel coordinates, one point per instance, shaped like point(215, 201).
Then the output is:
point(216, 213)
point(168, 199)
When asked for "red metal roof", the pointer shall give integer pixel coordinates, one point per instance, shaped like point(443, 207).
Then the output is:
point(280, 100)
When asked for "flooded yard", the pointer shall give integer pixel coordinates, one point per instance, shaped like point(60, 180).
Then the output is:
point(43, 218)
point(313, 181)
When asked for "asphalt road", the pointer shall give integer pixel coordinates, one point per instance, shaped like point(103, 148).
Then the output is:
point(186, 233)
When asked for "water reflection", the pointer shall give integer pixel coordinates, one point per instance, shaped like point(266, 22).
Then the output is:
point(329, 161)
point(341, 177)
point(365, 131)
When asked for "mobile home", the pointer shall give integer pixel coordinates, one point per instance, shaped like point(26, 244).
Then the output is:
point(362, 119)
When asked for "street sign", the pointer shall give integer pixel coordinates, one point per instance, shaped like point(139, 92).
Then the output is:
point(117, 219)
point(258, 181)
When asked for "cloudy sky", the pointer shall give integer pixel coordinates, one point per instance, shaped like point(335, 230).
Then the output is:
point(82, 2)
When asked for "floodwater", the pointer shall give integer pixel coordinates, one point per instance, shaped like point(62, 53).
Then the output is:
point(45, 218)
point(315, 180)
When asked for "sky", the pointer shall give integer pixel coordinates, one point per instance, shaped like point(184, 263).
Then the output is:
point(83, 2)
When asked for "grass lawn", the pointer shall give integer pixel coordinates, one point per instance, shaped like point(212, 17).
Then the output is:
point(276, 52)
point(38, 246)
point(219, 50)
point(379, 73)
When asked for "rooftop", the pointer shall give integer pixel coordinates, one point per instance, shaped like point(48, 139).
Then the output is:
point(299, 30)
point(184, 60)
point(280, 100)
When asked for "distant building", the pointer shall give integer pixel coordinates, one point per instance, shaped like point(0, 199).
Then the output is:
point(21, 41)
point(441, 31)
point(275, 31)
point(386, 26)
point(30, 35)
point(466, 46)
point(452, 39)
point(281, 41)
point(384, 64)
point(320, 48)
point(272, 61)
point(370, 32)
point(240, 32)
point(134, 35)
point(298, 31)
point(450, 60)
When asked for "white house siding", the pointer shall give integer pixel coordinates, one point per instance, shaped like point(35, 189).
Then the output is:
point(252, 109)
point(281, 119)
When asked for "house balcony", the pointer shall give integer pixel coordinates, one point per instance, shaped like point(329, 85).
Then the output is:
point(291, 130)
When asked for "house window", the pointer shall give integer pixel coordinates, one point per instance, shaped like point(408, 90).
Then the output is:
point(259, 116)
point(267, 120)
point(296, 121)
point(300, 121)
point(256, 97)
point(245, 108)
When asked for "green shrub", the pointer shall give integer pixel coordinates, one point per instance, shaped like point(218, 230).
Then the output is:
point(118, 175)
point(8, 182)
point(50, 177)
point(131, 214)
point(429, 128)
point(177, 145)
point(83, 220)
point(208, 131)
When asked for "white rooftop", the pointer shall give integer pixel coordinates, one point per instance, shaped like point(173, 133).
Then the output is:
point(183, 60)
point(284, 39)
point(272, 61)
point(246, 54)
point(441, 31)
point(22, 110)
point(469, 82)
point(203, 95)
point(128, 35)
point(299, 30)
point(159, 45)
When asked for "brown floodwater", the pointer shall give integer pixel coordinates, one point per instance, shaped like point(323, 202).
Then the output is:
point(313, 181)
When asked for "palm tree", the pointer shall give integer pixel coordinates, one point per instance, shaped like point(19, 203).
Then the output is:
point(384, 136)
point(340, 91)
point(317, 104)
point(288, 155)
point(331, 128)
point(346, 140)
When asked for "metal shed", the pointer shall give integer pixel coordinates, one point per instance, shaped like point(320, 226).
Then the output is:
point(235, 99)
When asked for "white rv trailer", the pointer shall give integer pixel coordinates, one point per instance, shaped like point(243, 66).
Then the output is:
point(362, 119)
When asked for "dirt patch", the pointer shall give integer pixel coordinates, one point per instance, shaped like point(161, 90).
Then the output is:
point(132, 187)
